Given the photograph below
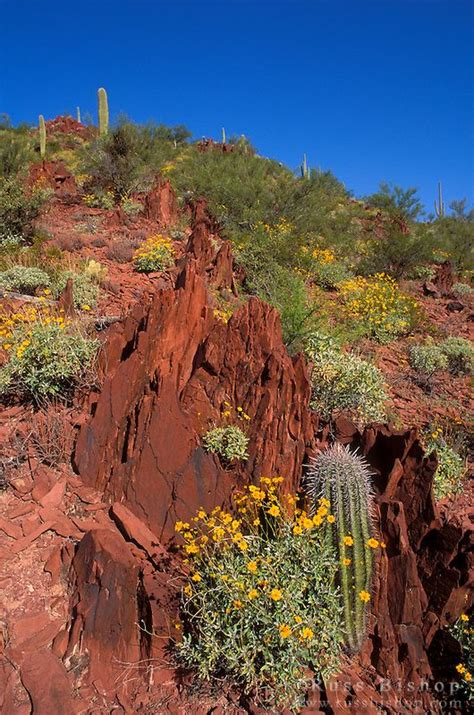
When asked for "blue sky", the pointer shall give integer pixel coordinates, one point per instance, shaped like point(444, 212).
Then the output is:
point(371, 89)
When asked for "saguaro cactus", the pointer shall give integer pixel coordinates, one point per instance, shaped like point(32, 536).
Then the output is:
point(42, 136)
point(224, 138)
point(103, 112)
point(78, 114)
point(343, 478)
point(305, 172)
point(439, 207)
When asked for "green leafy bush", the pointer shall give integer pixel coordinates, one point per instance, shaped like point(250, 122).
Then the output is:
point(427, 359)
point(24, 279)
point(462, 289)
point(47, 358)
point(261, 603)
point(459, 354)
point(228, 442)
point(345, 382)
point(100, 200)
point(451, 465)
point(329, 275)
point(131, 207)
point(85, 290)
point(19, 207)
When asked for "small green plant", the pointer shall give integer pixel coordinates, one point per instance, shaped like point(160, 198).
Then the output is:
point(131, 207)
point(459, 354)
point(462, 289)
point(19, 207)
point(103, 112)
point(24, 279)
point(154, 254)
point(463, 631)
point(426, 359)
point(341, 478)
point(344, 382)
point(451, 465)
point(100, 200)
point(84, 288)
point(261, 602)
point(330, 274)
point(228, 442)
point(47, 359)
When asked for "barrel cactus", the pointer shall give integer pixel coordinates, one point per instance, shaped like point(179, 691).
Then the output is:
point(341, 478)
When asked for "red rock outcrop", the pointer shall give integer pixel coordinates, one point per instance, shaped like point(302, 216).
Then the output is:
point(161, 204)
point(56, 176)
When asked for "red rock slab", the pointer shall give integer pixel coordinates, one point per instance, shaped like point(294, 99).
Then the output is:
point(23, 543)
point(55, 496)
point(46, 680)
point(10, 529)
point(135, 530)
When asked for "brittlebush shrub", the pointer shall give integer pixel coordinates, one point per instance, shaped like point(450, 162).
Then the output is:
point(47, 355)
point(261, 604)
point(380, 305)
point(454, 354)
point(155, 254)
point(343, 382)
point(24, 279)
point(228, 442)
point(84, 289)
point(463, 631)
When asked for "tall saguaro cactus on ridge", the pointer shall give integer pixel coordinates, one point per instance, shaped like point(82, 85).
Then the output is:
point(305, 171)
point(42, 136)
point(343, 478)
point(103, 112)
point(439, 207)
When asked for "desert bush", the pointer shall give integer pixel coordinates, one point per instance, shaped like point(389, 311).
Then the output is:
point(396, 252)
point(261, 603)
point(95, 271)
point(131, 207)
point(462, 289)
point(52, 434)
point(85, 291)
point(228, 442)
point(463, 631)
point(100, 200)
point(15, 152)
point(330, 274)
point(121, 250)
point(19, 207)
point(47, 355)
point(345, 382)
point(24, 279)
point(154, 254)
point(426, 359)
point(459, 353)
point(380, 305)
point(451, 465)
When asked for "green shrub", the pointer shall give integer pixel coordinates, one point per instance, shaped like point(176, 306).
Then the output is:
point(427, 359)
point(459, 354)
point(328, 275)
point(228, 442)
point(18, 207)
point(24, 279)
point(131, 207)
point(100, 200)
point(462, 289)
point(345, 382)
point(261, 603)
point(341, 478)
point(47, 358)
point(451, 465)
point(85, 290)
point(154, 254)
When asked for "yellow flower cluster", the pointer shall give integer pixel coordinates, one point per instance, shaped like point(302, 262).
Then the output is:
point(323, 255)
point(155, 254)
point(378, 302)
point(228, 410)
point(223, 315)
point(26, 318)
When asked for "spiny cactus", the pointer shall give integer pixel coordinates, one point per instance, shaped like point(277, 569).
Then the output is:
point(78, 114)
point(439, 207)
point(224, 138)
point(305, 172)
point(42, 136)
point(343, 478)
point(103, 112)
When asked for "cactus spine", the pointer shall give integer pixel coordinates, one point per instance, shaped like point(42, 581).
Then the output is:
point(42, 136)
point(305, 172)
point(78, 114)
point(439, 207)
point(103, 112)
point(343, 478)
point(224, 138)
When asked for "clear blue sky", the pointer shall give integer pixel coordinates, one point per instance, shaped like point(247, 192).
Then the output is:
point(372, 90)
